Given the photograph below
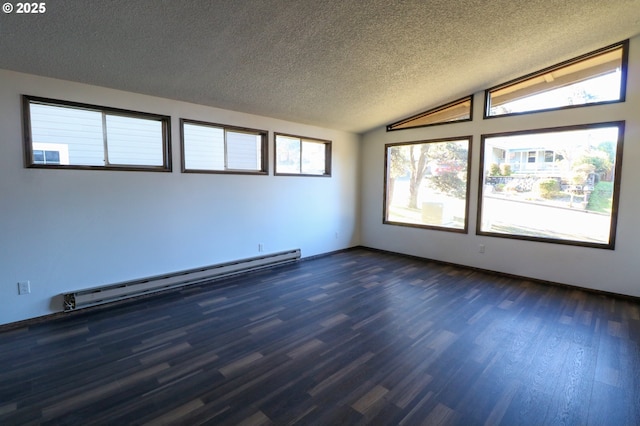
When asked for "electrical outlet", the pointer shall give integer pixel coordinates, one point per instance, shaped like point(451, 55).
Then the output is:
point(260, 247)
point(24, 287)
point(336, 235)
point(480, 248)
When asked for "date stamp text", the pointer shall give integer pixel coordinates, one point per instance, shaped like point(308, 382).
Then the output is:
point(25, 8)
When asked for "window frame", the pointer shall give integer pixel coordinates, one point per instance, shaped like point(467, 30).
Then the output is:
point(391, 127)
point(264, 147)
point(385, 195)
point(617, 172)
point(624, 45)
point(327, 155)
point(164, 120)
point(44, 157)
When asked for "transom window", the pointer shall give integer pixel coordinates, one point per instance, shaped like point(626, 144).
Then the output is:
point(218, 148)
point(596, 78)
point(298, 155)
point(427, 184)
point(460, 110)
point(60, 134)
point(570, 198)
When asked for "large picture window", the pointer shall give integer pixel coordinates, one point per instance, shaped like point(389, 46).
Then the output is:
point(556, 185)
point(297, 155)
point(427, 184)
point(217, 148)
point(61, 134)
point(596, 78)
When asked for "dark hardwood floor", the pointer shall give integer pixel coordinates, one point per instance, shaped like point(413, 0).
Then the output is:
point(357, 337)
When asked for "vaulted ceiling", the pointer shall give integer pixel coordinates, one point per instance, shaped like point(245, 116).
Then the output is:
point(346, 64)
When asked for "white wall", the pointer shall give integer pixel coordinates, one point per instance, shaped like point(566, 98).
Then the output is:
point(71, 229)
point(613, 271)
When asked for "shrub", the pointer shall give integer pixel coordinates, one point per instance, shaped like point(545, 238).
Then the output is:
point(505, 169)
point(601, 198)
point(547, 188)
point(494, 170)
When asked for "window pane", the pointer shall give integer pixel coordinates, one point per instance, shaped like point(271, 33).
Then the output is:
point(304, 156)
point(220, 148)
point(134, 141)
point(243, 151)
point(427, 184)
point(313, 158)
point(569, 199)
point(38, 157)
point(88, 136)
point(52, 157)
point(287, 154)
point(79, 130)
point(203, 147)
point(594, 79)
point(456, 111)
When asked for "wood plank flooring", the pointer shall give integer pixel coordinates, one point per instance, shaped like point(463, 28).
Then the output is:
point(357, 337)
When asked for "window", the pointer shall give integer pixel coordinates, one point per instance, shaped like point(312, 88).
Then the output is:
point(572, 200)
point(297, 155)
point(46, 157)
point(548, 157)
point(596, 78)
point(217, 148)
point(460, 110)
point(61, 134)
point(427, 184)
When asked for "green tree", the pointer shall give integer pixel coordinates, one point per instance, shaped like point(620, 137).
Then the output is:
point(600, 160)
point(414, 160)
point(450, 183)
point(453, 181)
point(609, 148)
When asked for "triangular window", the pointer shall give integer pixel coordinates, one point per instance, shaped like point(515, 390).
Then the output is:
point(455, 111)
point(595, 78)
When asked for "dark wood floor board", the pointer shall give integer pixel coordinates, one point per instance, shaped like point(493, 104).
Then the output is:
point(161, 403)
point(617, 403)
point(628, 360)
point(356, 337)
point(290, 402)
point(575, 385)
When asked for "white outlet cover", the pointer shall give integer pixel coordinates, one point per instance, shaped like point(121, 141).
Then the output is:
point(24, 287)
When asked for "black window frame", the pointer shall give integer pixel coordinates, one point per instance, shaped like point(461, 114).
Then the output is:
point(617, 173)
point(393, 127)
point(624, 45)
point(264, 160)
point(386, 201)
point(165, 121)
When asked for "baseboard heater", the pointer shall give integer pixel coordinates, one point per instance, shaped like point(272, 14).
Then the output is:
point(124, 290)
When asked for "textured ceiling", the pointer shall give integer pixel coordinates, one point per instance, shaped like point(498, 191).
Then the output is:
point(345, 64)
